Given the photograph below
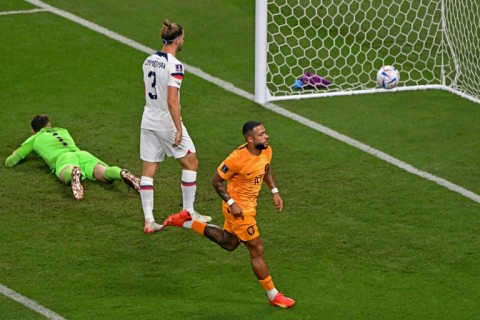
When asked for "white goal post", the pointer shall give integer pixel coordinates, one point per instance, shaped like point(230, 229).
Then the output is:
point(435, 44)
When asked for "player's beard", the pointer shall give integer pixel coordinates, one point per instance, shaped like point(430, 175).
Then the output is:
point(262, 146)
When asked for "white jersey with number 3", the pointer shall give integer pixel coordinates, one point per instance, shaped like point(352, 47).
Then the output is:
point(160, 70)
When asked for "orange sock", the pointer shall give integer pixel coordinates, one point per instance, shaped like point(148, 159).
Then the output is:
point(267, 283)
point(198, 226)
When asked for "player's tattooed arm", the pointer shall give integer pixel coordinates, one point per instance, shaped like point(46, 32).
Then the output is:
point(219, 186)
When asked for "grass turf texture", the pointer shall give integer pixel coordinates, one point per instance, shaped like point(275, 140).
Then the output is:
point(358, 239)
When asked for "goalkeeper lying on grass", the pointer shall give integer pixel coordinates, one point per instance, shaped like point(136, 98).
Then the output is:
point(70, 164)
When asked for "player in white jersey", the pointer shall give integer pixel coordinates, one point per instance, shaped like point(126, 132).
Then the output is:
point(162, 132)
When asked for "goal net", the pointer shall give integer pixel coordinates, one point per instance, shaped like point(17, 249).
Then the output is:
point(435, 44)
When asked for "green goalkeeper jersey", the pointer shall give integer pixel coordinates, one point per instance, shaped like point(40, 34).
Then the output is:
point(48, 143)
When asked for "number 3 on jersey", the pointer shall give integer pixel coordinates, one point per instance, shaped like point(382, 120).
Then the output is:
point(154, 83)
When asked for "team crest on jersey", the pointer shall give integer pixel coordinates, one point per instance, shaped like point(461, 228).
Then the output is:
point(178, 68)
point(224, 168)
point(251, 230)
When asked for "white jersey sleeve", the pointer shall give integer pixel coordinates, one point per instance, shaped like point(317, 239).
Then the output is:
point(160, 70)
point(176, 74)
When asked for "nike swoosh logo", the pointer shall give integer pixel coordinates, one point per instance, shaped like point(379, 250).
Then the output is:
point(249, 173)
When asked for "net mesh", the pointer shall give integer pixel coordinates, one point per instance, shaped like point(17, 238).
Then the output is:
point(347, 41)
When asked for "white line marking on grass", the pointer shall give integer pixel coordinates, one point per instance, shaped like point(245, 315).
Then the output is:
point(270, 106)
point(49, 314)
point(4, 13)
point(377, 153)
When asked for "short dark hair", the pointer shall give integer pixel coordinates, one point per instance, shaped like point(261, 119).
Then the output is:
point(249, 126)
point(39, 122)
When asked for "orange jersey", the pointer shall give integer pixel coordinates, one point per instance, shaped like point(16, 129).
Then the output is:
point(244, 173)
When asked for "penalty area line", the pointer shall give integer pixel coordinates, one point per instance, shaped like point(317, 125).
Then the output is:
point(49, 314)
point(270, 106)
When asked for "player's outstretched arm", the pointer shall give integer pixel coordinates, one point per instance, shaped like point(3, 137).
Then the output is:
point(21, 152)
point(12, 160)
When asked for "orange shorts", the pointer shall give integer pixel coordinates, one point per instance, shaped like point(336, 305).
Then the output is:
point(245, 229)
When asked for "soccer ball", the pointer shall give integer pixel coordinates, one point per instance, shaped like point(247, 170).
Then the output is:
point(388, 77)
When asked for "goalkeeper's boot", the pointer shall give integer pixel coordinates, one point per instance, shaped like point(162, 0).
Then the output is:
point(178, 219)
point(130, 179)
point(200, 217)
point(151, 227)
point(76, 184)
point(281, 301)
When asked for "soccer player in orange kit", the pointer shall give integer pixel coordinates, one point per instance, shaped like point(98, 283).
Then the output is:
point(244, 170)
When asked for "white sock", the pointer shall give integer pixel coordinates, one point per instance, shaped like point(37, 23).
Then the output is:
point(188, 224)
point(189, 188)
point(272, 293)
point(146, 193)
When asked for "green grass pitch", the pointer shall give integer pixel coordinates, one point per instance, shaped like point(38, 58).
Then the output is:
point(358, 239)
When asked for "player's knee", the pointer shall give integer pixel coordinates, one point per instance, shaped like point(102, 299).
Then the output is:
point(257, 251)
point(190, 162)
point(223, 238)
point(229, 242)
point(229, 246)
point(194, 164)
